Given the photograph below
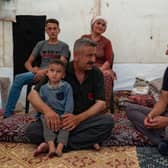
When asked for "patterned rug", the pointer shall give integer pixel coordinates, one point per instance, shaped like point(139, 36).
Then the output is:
point(18, 155)
point(149, 157)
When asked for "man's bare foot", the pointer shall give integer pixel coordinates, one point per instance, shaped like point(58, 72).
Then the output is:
point(59, 149)
point(42, 148)
point(96, 147)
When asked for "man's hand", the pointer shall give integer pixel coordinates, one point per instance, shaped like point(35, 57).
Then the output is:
point(63, 59)
point(156, 122)
point(39, 75)
point(148, 120)
point(70, 121)
point(35, 69)
point(52, 120)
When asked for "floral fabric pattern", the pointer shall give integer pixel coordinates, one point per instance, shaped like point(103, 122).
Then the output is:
point(12, 129)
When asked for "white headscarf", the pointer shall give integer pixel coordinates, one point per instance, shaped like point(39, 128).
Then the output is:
point(97, 18)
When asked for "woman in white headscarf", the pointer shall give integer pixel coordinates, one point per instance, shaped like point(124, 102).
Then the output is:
point(104, 55)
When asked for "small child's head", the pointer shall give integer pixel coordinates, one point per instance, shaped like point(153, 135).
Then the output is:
point(56, 71)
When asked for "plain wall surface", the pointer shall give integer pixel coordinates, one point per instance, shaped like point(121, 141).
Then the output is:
point(137, 29)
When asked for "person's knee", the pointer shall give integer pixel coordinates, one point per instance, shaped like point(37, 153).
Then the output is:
point(28, 133)
point(129, 110)
point(106, 127)
point(34, 133)
point(108, 121)
point(18, 80)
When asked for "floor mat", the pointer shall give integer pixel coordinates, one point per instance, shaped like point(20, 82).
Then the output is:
point(149, 157)
point(18, 155)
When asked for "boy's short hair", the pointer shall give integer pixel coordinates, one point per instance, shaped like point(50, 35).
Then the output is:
point(52, 21)
point(58, 62)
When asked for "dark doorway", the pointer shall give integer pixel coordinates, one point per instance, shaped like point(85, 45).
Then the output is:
point(27, 31)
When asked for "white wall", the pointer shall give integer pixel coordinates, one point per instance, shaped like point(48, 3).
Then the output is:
point(137, 29)
point(131, 23)
point(74, 15)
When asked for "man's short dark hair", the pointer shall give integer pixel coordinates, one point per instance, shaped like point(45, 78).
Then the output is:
point(58, 62)
point(84, 42)
point(52, 21)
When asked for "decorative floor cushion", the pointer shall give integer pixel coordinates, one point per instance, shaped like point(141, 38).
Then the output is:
point(124, 133)
point(125, 96)
point(12, 130)
point(145, 100)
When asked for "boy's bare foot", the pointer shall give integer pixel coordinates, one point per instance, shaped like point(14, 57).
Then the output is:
point(59, 149)
point(42, 148)
point(51, 152)
point(58, 153)
point(96, 147)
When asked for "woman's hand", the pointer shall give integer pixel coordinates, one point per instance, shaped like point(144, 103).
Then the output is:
point(111, 73)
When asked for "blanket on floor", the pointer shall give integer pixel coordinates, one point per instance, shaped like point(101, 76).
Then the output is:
point(12, 128)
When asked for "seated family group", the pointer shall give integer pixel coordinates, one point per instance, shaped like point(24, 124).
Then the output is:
point(69, 97)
